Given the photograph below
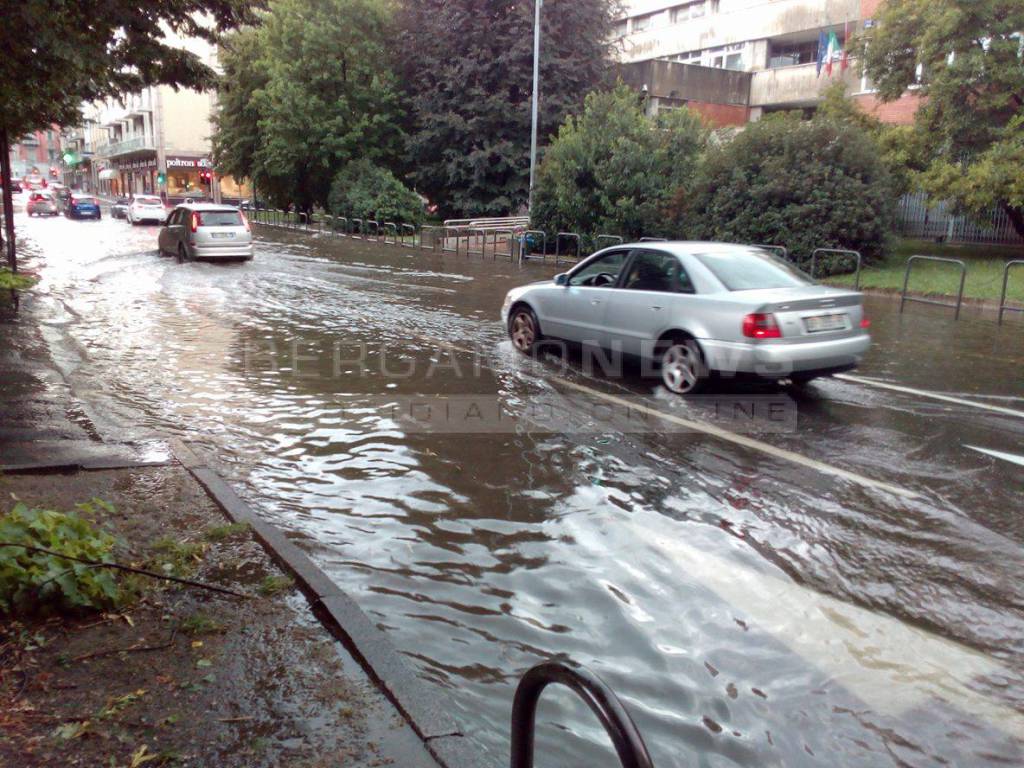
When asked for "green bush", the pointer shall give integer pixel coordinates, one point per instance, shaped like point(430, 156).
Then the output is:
point(366, 191)
point(34, 581)
point(805, 185)
point(16, 282)
point(614, 170)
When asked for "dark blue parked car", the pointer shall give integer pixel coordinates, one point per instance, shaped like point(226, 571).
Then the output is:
point(82, 208)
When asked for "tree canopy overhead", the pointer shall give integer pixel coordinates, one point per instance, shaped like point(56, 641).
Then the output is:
point(966, 60)
point(306, 93)
point(57, 55)
point(467, 66)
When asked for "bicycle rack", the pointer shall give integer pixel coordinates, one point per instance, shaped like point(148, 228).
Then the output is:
point(357, 232)
point(1003, 307)
point(777, 248)
point(411, 229)
point(511, 238)
point(615, 240)
point(629, 744)
point(344, 230)
point(841, 252)
point(523, 255)
point(959, 296)
point(434, 238)
point(558, 244)
point(394, 232)
point(482, 234)
point(376, 229)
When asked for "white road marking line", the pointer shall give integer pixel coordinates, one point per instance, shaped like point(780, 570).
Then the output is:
point(726, 435)
point(932, 395)
point(1011, 457)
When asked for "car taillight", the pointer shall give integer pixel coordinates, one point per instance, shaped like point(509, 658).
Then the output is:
point(761, 326)
point(865, 322)
point(245, 221)
point(196, 220)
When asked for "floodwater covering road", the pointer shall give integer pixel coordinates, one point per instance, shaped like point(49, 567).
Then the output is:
point(856, 601)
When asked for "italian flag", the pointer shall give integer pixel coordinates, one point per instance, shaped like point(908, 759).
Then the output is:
point(831, 52)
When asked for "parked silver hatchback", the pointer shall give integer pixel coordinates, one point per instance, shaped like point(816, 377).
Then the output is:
point(694, 310)
point(206, 231)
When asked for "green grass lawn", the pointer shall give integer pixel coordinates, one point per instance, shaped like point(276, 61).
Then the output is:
point(985, 265)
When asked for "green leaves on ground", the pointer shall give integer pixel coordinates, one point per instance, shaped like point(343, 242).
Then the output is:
point(366, 191)
point(32, 581)
point(613, 170)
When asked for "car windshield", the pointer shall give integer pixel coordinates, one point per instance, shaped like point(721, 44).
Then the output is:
point(220, 219)
point(748, 270)
point(148, 201)
point(85, 200)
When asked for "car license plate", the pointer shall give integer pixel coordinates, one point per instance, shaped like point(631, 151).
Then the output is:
point(819, 323)
point(222, 234)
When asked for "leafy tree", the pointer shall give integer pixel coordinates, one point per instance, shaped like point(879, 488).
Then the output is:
point(307, 92)
point(899, 146)
point(971, 119)
point(613, 170)
point(58, 55)
point(367, 191)
point(468, 69)
point(805, 185)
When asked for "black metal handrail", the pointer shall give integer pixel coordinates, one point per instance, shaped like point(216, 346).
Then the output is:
point(904, 298)
point(629, 744)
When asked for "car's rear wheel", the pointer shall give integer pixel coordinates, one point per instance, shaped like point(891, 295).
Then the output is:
point(683, 370)
point(523, 329)
point(182, 253)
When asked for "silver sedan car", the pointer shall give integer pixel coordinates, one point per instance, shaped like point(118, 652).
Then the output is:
point(206, 231)
point(695, 310)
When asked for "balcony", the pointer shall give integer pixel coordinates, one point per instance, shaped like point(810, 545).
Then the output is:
point(126, 147)
point(795, 86)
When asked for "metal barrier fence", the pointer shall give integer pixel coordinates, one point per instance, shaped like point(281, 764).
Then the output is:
point(566, 236)
point(615, 240)
point(840, 252)
point(1003, 306)
point(777, 248)
point(524, 244)
point(921, 300)
point(625, 736)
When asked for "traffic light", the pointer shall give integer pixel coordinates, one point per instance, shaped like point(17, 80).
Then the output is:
point(69, 158)
point(206, 176)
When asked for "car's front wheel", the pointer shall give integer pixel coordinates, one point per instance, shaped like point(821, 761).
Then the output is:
point(523, 329)
point(683, 370)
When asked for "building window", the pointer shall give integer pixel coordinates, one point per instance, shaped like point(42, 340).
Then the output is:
point(645, 22)
point(727, 57)
point(620, 28)
point(687, 57)
point(686, 12)
point(791, 54)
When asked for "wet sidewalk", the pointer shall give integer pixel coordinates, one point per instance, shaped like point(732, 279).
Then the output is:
point(181, 675)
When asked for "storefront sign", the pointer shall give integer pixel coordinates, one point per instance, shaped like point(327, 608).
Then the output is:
point(129, 165)
point(188, 162)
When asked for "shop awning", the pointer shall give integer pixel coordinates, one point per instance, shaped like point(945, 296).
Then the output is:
point(108, 174)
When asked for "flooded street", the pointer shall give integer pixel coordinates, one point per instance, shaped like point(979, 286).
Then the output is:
point(848, 590)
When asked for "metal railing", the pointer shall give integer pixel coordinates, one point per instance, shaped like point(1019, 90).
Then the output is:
point(1003, 306)
point(615, 240)
point(394, 231)
point(558, 244)
point(629, 744)
point(524, 244)
point(840, 252)
point(433, 236)
point(653, 240)
point(402, 230)
point(922, 300)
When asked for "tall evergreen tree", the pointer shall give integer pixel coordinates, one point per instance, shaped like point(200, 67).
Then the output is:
point(468, 68)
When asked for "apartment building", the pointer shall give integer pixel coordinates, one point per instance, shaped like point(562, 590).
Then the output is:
point(153, 142)
point(36, 155)
point(736, 60)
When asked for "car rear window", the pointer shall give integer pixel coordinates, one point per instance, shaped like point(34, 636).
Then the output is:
point(220, 219)
point(86, 200)
point(149, 201)
point(749, 270)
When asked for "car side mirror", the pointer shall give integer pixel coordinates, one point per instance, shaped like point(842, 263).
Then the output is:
point(562, 279)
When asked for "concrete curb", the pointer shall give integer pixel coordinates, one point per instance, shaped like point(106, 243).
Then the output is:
point(426, 708)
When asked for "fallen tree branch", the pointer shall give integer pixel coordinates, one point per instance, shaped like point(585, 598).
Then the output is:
point(128, 569)
point(131, 649)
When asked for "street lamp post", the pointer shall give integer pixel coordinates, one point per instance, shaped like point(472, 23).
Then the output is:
point(536, 98)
